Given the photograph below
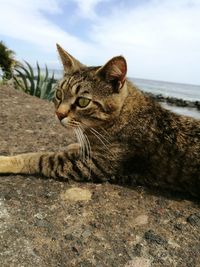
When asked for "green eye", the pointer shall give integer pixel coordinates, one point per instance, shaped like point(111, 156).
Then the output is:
point(83, 102)
point(59, 94)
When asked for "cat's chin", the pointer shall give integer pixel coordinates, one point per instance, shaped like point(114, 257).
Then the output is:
point(64, 123)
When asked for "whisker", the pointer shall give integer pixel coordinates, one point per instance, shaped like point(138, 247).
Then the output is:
point(106, 132)
point(88, 144)
point(88, 148)
point(100, 135)
point(82, 143)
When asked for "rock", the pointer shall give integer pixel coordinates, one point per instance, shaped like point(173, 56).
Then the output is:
point(69, 237)
point(137, 250)
point(39, 216)
point(174, 101)
point(42, 223)
point(138, 262)
point(151, 237)
point(76, 194)
point(178, 226)
point(194, 219)
point(86, 233)
point(141, 220)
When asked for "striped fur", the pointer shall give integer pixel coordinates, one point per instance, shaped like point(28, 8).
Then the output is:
point(123, 136)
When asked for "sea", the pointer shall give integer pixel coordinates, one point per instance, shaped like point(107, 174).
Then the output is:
point(183, 91)
point(167, 89)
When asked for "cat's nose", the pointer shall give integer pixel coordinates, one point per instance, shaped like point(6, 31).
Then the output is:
point(61, 115)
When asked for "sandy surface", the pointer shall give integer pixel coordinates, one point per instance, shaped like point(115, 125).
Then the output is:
point(52, 223)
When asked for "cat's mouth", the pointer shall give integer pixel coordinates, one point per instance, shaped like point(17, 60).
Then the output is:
point(69, 123)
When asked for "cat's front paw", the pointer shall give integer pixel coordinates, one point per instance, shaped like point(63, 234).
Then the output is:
point(73, 150)
point(4, 164)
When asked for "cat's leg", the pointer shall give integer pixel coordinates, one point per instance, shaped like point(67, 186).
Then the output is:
point(49, 164)
point(68, 165)
point(11, 164)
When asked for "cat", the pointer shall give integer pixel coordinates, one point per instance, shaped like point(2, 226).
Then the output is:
point(123, 135)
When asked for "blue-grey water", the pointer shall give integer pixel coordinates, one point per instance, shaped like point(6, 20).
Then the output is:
point(177, 90)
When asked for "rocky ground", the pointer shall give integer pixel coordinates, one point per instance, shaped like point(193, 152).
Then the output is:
point(53, 223)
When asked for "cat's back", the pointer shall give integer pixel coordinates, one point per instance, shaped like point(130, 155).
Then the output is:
point(160, 146)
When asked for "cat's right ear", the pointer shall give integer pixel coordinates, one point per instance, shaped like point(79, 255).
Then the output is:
point(114, 70)
point(70, 64)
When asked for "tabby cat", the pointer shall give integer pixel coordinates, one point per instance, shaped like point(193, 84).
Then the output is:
point(123, 136)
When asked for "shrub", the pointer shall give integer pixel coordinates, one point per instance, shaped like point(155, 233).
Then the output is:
point(7, 61)
point(39, 85)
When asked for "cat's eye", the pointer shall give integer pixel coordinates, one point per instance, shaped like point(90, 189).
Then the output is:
point(59, 94)
point(83, 102)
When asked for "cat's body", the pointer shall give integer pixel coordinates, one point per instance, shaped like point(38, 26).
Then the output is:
point(124, 136)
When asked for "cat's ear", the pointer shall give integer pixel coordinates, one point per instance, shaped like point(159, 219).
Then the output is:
point(70, 64)
point(114, 70)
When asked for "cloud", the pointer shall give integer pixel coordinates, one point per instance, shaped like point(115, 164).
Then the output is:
point(28, 23)
point(160, 39)
point(161, 23)
point(87, 8)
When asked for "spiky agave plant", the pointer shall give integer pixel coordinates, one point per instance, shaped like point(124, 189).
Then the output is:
point(39, 85)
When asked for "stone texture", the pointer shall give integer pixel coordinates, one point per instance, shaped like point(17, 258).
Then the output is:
point(114, 226)
point(76, 194)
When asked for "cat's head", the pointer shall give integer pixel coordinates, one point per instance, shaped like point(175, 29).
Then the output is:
point(90, 96)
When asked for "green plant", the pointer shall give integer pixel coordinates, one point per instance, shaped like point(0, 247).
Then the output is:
point(7, 61)
point(39, 85)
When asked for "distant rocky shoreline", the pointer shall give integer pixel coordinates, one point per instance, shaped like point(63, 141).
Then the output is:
point(175, 101)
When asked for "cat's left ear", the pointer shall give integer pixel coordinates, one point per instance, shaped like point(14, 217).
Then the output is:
point(70, 64)
point(114, 70)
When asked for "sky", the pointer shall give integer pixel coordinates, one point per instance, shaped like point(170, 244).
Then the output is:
point(160, 39)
